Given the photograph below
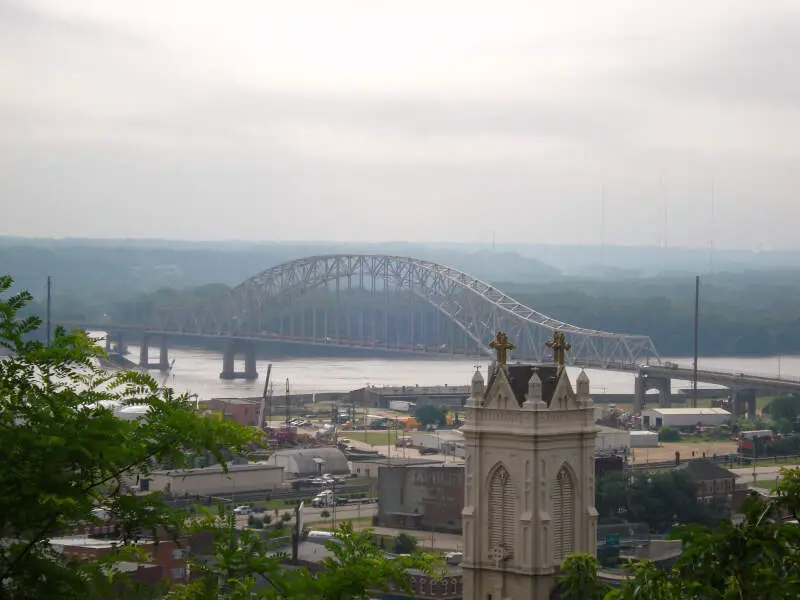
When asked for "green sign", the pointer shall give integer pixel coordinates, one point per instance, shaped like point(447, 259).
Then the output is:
point(612, 539)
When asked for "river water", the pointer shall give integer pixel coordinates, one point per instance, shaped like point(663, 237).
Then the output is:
point(197, 371)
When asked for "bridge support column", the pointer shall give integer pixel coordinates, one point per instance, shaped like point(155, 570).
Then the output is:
point(664, 387)
point(743, 402)
point(115, 344)
point(163, 353)
point(229, 357)
point(639, 390)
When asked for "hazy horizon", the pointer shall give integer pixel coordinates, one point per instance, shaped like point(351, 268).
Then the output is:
point(620, 123)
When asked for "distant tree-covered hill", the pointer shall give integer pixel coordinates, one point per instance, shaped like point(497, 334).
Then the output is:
point(754, 312)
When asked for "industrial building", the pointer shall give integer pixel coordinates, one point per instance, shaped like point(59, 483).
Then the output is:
point(447, 441)
point(304, 462)
point(244, 411)
point(251, 477)
point(453, 397)
point(643, 439)
point(369, 466)
point(684, 417)
point(609, 438)
point(421, 497)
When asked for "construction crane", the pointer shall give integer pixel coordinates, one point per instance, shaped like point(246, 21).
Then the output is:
point(165, 374)
point(265, 397)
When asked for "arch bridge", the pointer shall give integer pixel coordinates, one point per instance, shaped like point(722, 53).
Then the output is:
point(390, 303)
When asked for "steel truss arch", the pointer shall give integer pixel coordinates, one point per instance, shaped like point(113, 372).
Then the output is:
point(476, 307)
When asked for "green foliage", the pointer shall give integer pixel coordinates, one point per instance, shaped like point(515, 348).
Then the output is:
point(358, 567)
point(577, 579)
point(785, 413)
point(669, 434)
point(659, 499)
point(64, 455)
point(788, 491)
point(758, 559)
point(404, 544)
point(430, 415)
point(325, 514)
point(242, 567)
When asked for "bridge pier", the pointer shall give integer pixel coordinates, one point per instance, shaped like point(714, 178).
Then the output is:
point(639, 391)
point(163, 353)
point(115, 343)
point(743, 402)
point(229, 357)
point(645, 382)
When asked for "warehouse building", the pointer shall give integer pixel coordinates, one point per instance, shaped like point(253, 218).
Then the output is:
point(453, 397)
point(655, 418)
point(449, 442)
point(421, 497)
point(251, 477)
point(611, 439)
point(644, 439)
point(370, 466)
point(305, 462)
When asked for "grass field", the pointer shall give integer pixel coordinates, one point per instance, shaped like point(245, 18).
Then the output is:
point(767, 484)
point(374, 438)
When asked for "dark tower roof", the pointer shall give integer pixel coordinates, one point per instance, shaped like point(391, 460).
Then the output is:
point(520, 374)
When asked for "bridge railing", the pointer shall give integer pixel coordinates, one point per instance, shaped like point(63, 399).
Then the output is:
point(733, 373)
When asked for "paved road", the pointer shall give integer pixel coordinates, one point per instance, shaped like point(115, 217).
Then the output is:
point(761, 472)
point(449, 542)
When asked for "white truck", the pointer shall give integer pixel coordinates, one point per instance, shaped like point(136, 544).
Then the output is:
point(401, 405)
point(323, 499)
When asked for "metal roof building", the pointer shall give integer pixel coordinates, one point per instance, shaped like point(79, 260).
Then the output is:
point(684, 417)
point(311, 461)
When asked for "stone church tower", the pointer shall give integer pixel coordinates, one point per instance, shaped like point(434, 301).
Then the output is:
point(529, 477)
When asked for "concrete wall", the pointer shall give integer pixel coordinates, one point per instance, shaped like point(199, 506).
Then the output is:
point(210, 481)
point(421, 497)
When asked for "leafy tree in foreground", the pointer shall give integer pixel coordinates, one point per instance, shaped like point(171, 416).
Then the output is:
point(242, 567)
point(758, 559)
point(64, 455)
point(404, 544)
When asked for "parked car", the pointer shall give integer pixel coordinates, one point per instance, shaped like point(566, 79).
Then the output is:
point(428, 451)
point(242, 510)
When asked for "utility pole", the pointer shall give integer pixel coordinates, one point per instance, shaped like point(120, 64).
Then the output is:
point(696, 334)
point(286, 402)
point(49, 286)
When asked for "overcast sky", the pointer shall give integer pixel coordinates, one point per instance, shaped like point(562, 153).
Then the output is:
point(403, 120)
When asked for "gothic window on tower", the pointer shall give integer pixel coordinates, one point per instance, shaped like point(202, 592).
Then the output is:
point(563, 499)
point(502, 515)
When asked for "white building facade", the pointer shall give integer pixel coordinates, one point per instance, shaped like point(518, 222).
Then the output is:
point(529, 480)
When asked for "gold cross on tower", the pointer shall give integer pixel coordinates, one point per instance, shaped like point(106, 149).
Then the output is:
point(559, 346)
point(501, 346)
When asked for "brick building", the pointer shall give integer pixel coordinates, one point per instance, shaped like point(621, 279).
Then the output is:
point(449, 587)
point(242, 410)
point(421, 497)
point(714, 483)
point(167, 559)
